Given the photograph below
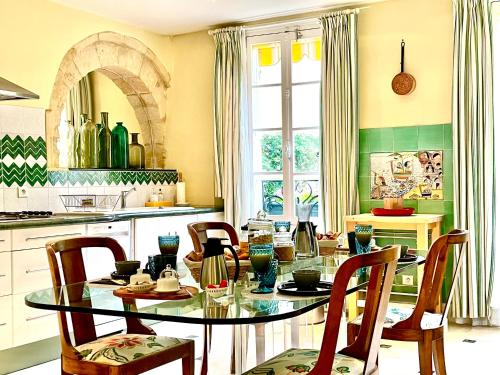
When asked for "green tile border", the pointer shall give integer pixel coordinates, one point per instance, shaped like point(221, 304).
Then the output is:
point(110, 178)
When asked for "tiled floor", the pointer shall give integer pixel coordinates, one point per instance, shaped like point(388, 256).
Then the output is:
point(480, 357)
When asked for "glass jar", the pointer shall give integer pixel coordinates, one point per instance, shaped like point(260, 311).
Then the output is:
point(260, 232)
point(104, 140)
point(119, 146)
point(70, 141)
point(88, 143)
point(284, 248)
point(243, 237)
point(137, 154)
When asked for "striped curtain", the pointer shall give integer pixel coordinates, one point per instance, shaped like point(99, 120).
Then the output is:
point(473, 147)
point(340, 122)
point(230, 123)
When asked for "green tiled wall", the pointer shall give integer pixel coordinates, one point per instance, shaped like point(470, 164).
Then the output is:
point(411, 138)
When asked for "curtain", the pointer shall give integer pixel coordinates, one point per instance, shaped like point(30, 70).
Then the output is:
point(230, 124)
point(473, 158)
point(340, 122)
point(79, 101)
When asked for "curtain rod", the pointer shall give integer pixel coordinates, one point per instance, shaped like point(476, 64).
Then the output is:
point(292, 22)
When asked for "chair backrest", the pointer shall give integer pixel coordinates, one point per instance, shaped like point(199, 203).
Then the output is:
point(429, 298)
point(73, 269)
point(198, 232)
point(383, 268)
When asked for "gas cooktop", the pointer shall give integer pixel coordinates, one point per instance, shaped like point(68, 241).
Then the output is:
point(19, 215)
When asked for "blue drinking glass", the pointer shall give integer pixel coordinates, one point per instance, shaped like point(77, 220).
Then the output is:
point(261, 257)
point(363, 235)
point(269, 278)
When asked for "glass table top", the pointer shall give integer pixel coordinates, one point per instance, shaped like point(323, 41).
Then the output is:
point(243, 307)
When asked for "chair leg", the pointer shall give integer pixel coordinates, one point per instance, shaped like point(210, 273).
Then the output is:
point(438, 354)
point(352, 332)
point(425, 354)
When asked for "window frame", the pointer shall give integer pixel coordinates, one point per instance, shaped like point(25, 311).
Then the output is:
point(285, 35)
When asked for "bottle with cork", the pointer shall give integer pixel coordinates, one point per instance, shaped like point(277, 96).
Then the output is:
point(180, 191)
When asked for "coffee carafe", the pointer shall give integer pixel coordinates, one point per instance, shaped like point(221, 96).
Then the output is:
point(213, 266)
point(304, 236)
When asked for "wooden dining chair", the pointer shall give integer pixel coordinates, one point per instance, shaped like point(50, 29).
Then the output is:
point(425, 322)
point(198, 233)
point(360, 357)
point(136, 351)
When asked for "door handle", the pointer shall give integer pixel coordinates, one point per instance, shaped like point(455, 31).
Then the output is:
point(53, 236)
point(39, 317)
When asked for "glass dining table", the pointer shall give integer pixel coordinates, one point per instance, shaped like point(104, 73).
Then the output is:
point(239, 309)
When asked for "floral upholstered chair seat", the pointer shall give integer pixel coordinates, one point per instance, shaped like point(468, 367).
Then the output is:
point(120, 349)
point(397, 314)
point(302, 361)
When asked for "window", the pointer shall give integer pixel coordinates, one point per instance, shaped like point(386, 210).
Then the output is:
point(284, 102)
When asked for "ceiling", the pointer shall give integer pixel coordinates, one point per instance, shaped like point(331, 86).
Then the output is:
point(172, 17)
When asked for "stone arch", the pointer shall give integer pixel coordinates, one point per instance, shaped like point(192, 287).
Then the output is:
point(134, 68)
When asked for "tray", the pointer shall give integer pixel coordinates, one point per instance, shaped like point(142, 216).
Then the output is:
point(184, 293)
point(393, 211)
point(324, 288)
point(407, 258)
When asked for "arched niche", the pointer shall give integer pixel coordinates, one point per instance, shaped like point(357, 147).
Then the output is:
point(134, 68)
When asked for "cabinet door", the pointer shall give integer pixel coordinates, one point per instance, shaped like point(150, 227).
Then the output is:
point(5, 322)
point(5, 240)
point(30, 324)
point(30, 270)
point(5, 274)
point(32, 238)
point(147, 231)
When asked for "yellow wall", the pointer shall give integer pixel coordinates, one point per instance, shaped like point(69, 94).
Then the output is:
point(107, 97)
point(35, 35)
point(427, 27)
point(189, 133)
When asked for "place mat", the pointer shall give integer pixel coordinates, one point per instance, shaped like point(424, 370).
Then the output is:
point(407, 258)
point(275, 295)
point(324, 288)
point(184, 293)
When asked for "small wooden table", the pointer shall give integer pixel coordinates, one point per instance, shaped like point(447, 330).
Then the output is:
point(421, 223)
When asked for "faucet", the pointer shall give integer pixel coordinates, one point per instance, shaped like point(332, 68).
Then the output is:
point(124, 197)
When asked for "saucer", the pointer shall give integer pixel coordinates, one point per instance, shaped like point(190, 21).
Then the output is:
point(167, 291)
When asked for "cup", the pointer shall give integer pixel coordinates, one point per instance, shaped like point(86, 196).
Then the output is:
point(404, 250)
point(168, 244)
point(282, 224)
point(157, 263)
point(269, 278)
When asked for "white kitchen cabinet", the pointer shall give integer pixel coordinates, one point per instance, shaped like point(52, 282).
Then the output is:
point(5, 274)
point(32, 324)
point(147, 231)
point(30, 271)
point(32, 238)
point(5, 322)
point(5, 240)
point(211, 216)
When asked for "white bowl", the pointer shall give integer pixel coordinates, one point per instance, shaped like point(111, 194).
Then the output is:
point(216, 292)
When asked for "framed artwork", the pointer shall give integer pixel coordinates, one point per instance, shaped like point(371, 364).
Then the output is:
point(411, 175)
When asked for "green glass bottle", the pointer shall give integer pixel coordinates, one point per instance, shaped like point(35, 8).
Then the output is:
point(70, 141)
point(119, 146)
point(88, 143)
point(76, 143)
point(137, 154)
point(104, 140)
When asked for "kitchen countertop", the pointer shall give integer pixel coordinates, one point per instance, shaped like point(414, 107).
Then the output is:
point(103, 217)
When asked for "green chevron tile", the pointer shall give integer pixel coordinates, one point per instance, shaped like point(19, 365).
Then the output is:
point(13, 174)
point(57, 178)
point(12, 146)
point(36, 174)
point(35, 147)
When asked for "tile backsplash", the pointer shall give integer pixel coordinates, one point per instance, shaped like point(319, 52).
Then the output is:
point(411, 138)
point(23, 162)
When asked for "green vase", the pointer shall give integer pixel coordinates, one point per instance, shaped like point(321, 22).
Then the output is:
point(119, 146)
point(104, 140)
point(88, 143)
point(137, 154)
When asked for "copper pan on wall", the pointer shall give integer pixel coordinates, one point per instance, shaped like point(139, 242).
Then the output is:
point(403, 83)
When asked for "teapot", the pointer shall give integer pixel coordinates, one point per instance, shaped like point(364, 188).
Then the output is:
point(213, 266)
point(168, 280)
